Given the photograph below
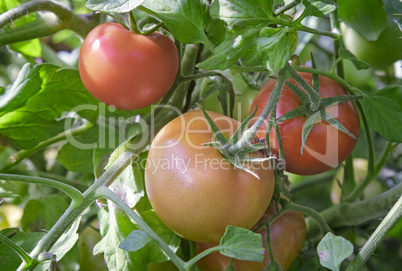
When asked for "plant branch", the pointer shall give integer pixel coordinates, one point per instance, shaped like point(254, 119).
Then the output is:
point(352, 214)
point(69, 19)
point(379, 234)
point(286, 7)
point(21, 155)
point(72, 192)
point(298, 26)
point(372, 170)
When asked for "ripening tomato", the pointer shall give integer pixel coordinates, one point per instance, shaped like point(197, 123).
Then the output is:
point(127, 70)
point(193, 189)
point(287, 235)
point(326, 147)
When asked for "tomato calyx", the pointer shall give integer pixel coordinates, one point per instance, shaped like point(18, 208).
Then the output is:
point(242, 155)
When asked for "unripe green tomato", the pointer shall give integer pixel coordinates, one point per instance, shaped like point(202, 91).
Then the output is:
point(358, 78)
point(287, 237)
point(360, 171)
point(379, 53)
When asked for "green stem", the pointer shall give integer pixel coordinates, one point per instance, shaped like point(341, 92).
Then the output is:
point(337, 43)
point(106, 193)
point(72, 192)
point(351, 214)
point(372, 170)
point(27, 260)
point(286, 7)
point(72, 21)
point(21, 155)
point(331, 75)
point(288, 206)
point(298, 26)
point(199, 256)
point(375, 239)
point(249, 134)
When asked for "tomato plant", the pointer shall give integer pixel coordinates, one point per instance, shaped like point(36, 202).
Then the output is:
point(127, 70)
point(199, 180)
point(287, 233)
point(139, 115)
point(326, 146)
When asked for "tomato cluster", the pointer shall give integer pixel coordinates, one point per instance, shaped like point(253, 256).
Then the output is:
point(127, 70)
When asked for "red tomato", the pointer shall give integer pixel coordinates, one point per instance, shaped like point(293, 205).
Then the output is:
point(193, 188)
point(287, 235)
point(326, 147)
point(127, 70)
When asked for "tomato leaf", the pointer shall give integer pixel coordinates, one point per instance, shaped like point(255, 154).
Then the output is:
point(63, 245)
point(318, 8)
point(242, 244)
point(135, 241)
point(248, 11)
point(228, 52)
point(186, 20)
point(384, 116)
point(332, 250)
point(116, 6)
point(360, 65)
point(355, 14)
point(275, 45)
point(27, 241)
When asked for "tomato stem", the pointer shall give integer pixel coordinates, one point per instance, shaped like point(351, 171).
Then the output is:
point(69, 20)
point(21, 155)
point(376, 238)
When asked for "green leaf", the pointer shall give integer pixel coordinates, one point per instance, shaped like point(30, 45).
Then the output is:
point(360, 65)
point(393, 7)
point(63, 245)
point(274, 44)
point(115, 6)
point(384, 115)
point(33, 109)
point(42, 214)
point(392, 92)
point(367, 17)
point(242, 244)
point(229, 51)
point(318, 8)
point(332, 250)
point(29, 48)
point(116, 226)
point(186, 20)
point(235, 12)
point(135, 241)
point(9, 260)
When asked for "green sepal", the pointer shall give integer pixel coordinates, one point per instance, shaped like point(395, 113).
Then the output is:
point(221, 139)
point(296, 90)
point(338, 99)
point(308, 126)
point(335, 123)
point(298, 111)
